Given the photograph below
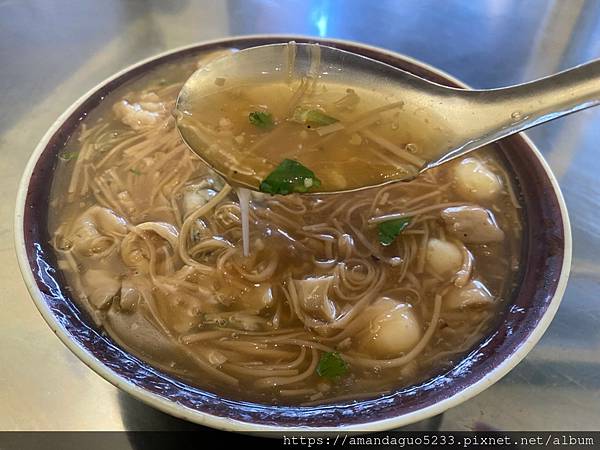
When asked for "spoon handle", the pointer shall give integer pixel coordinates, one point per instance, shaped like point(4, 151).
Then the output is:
point(496, 113)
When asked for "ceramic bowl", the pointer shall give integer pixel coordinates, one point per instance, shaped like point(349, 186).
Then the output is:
point(546, 256)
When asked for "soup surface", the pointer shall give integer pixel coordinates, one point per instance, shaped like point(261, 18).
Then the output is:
point(334, 133)
point(340, 297)
point(244, 121)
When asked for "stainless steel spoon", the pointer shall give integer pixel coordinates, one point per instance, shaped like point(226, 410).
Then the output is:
point(472, 118)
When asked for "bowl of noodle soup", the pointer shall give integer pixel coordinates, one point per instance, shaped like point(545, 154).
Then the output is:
point(131, 249)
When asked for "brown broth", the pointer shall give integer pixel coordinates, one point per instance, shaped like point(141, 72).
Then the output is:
point(371, 130)
point(163, 272)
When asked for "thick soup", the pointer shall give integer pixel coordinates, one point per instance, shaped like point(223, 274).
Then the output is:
point(250, 129)
point(338, 297)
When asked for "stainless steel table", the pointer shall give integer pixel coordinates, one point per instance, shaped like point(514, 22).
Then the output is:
point(53, 51)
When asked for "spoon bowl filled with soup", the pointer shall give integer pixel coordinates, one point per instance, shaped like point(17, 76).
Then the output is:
point(264, 310)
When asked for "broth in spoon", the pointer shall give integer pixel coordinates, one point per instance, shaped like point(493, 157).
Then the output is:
point(294, 130)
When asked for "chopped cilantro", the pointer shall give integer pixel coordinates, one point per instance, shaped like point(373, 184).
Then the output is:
point(332, 365)
point(390, 229)
point(261, 119)
point(68, 156)
point(288, 177)
point(135, 172)
point(312, 117)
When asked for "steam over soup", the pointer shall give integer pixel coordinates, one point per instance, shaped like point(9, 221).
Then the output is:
point(340, 297)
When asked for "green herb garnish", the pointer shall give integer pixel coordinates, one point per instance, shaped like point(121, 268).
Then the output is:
point(332, 365)
point(312, 117)
point(68, 156)
point(288, 177)
point(135, 172)
point(390, 229)
point(261, 119)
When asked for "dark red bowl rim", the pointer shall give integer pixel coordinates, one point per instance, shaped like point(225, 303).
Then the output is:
point(546, 248)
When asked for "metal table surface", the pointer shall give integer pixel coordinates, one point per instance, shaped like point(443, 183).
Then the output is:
point(53, 51)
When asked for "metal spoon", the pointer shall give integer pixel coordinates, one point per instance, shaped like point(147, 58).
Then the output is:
point(472, 118)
